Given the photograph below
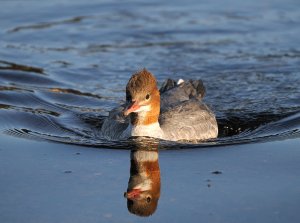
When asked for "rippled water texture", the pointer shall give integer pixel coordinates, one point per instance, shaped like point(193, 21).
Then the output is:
point(65, 64)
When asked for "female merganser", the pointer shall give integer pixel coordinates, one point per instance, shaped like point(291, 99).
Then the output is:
point(143, 189)
point(178, 113)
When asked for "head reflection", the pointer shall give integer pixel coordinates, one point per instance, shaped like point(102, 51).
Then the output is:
point(143, 189)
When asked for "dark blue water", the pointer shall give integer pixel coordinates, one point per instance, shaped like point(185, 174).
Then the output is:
point(64, 65)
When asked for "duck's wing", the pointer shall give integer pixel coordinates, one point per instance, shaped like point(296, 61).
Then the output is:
point(173, 93)
point(115, 124)
point(190, 120)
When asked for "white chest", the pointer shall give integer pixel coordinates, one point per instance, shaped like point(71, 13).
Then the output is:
point(152, 130)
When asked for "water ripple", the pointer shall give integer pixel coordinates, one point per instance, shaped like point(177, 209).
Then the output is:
point(45, 25)
point(64, 66)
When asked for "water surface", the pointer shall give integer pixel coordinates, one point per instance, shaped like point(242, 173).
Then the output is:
point(65, 64)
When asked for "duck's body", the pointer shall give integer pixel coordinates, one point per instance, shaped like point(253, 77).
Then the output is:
point(175, 113)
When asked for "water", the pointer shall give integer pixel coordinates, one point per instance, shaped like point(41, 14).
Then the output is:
point(65, 64)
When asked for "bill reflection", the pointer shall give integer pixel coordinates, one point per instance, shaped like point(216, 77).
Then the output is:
point(143, 189)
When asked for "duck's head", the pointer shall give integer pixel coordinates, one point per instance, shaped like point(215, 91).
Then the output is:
point(142, 96)
point(142, 203)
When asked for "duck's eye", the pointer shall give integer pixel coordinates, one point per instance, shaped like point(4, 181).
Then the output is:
point(148, 199)
point(147, 96)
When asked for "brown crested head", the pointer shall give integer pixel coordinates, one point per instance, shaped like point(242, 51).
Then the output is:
point(142, 207)
point(141, 84)
point(142, 97)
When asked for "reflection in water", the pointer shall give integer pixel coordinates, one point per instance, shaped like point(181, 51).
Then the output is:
point(143, 189)
point(61, 87)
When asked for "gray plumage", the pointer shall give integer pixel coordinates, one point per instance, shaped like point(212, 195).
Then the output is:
point(183, 115)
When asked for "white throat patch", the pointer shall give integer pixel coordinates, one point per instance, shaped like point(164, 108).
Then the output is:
point(143, 109)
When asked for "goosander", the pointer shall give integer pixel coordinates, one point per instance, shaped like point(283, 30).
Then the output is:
point(174, 113)
point(143, 191)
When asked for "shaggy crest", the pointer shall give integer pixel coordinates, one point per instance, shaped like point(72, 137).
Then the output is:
point(142, 82)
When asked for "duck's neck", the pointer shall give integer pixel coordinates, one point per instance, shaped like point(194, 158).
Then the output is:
point(143, 118)
point(145, 124)
point(145, 168)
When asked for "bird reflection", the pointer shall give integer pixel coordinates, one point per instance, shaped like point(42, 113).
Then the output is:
point(143, 189)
